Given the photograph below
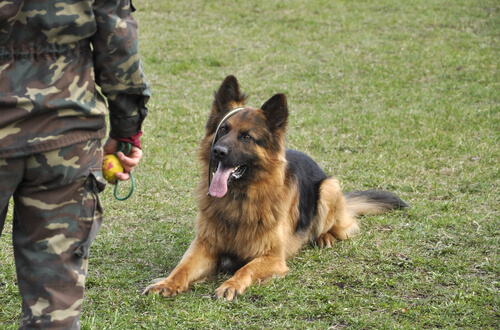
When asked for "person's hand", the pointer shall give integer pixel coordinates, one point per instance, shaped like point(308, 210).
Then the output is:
point(128, 161)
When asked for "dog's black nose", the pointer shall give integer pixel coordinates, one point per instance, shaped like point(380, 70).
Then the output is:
point(220, 152)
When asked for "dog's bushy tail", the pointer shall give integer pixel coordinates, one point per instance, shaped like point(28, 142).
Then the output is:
point(372, 202)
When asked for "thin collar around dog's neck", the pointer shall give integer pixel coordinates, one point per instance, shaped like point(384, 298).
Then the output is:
point(229, 114)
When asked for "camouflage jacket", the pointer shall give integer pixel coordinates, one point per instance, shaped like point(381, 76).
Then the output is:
point(53, 54)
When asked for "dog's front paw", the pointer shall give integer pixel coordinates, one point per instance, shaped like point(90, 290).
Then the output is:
point(166, 287)
point(229, 290)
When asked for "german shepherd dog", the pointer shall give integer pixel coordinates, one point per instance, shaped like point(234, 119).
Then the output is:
point(264, 201)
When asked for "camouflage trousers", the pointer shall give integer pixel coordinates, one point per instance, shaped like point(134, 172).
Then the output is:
point(57, 214)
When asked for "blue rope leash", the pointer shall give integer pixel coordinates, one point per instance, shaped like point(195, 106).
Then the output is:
point(124, 147)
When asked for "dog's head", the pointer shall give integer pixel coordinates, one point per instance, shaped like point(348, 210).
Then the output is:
point(242, 147)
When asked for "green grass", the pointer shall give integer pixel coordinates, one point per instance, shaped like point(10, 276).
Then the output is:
point(398, 95)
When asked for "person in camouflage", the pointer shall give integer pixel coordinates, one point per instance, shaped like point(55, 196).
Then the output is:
point(53, 55)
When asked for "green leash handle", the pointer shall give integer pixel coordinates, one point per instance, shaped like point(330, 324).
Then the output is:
point(124, 147)
point(129, 193)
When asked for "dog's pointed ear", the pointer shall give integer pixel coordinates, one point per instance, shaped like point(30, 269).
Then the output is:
point(276, 111)
point(228, 96)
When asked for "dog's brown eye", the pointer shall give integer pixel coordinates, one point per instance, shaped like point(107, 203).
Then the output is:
point(247, 137)
point(223, 130)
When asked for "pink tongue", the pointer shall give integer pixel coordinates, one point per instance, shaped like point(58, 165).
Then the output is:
point(218, 187)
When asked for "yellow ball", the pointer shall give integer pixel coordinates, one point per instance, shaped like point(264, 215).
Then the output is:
point(110, 166)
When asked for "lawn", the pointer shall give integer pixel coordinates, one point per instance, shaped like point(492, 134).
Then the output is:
point(397, 95)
